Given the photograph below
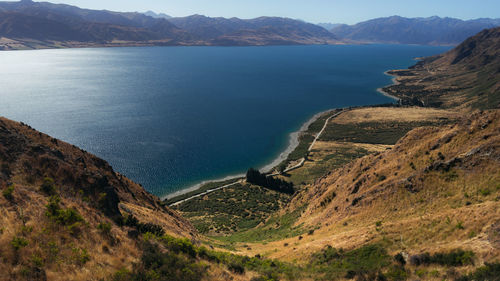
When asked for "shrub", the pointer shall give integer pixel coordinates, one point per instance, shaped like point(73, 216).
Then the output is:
point(454, 258)
point(48, 186)
point(105, 228)
point(396, 273)
point(142, 227)
point(8, 193)
point(80, 256)
point(19, 242)
point(488, 272)
point(364, 262)
point(37, 261)
point(485, 192)
point(66, 217)
point(236, 268)
point(158, 265)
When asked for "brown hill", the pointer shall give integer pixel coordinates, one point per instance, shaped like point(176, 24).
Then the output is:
point(66, 215)
point(436, 190)
point(467, 76)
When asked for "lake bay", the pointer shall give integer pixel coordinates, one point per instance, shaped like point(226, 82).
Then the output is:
point(171, 117)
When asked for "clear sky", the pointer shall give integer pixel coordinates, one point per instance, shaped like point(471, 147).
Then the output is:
point(315, 11)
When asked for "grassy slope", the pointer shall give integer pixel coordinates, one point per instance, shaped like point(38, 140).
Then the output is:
point(425, 208)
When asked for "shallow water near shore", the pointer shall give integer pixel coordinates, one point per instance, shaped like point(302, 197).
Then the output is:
point(171, 117)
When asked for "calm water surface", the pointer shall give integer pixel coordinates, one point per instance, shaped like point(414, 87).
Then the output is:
point(170, 117)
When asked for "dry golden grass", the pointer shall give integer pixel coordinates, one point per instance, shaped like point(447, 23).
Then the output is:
point(393, 114)
point(448, 209)
point(322, 148)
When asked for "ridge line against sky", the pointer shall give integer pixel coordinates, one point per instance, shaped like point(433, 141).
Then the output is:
point(315, 11)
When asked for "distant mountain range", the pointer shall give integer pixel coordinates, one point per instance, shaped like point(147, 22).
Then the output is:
point(258, 31)
point(32, 25)
point(424, 31)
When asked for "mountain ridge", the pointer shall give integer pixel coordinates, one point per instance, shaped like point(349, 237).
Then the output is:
point(426, 31)
point(65, 25)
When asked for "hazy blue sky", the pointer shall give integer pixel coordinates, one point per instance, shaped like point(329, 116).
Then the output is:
point(335, 11)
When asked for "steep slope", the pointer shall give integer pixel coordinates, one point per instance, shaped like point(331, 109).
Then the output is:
point(426, 31)
point(66, 215)
point(467, 76)
point(435, 191)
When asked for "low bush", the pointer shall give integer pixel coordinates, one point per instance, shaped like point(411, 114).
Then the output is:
point(488, 272)
point(364, 262)
point(105, 228)
point(166, 265)
point(456, 257)
point(142, 227)
point(70, 218)
point(80, 256)
point(19, 242)
point(236, 268)
point(48, 186)
point(8, 193)
point(396, 273)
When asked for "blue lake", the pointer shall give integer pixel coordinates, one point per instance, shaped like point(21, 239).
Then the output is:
point(170, 117)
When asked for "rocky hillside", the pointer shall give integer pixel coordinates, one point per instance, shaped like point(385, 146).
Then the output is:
point(424, 31)
point(467, 76)
point(66, 215)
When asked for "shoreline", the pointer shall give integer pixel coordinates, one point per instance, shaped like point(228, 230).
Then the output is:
point(293, 142)
point(394, 82)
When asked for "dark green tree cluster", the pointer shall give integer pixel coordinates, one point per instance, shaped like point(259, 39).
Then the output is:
point(279, 185)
